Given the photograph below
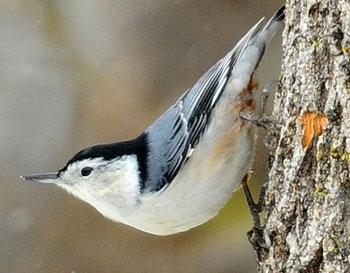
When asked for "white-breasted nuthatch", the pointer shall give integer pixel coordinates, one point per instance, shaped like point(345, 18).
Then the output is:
point(183, 169)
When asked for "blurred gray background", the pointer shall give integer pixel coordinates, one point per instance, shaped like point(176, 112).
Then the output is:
point(75, 73)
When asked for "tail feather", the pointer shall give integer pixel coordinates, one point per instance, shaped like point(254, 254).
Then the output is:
point(273, 25)
point(262, 32)
point(244, 58)
point(250, 50)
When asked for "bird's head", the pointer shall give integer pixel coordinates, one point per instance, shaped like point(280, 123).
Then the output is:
point(106, 173)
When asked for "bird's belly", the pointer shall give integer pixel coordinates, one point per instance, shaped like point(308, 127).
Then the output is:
point(202, 188)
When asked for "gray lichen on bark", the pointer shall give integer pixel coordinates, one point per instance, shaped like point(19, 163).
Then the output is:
point(307, 221)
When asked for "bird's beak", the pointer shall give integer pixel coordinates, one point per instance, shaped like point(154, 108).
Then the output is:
point(42, 178)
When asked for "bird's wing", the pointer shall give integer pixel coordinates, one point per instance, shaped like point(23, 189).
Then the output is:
point(174, 135)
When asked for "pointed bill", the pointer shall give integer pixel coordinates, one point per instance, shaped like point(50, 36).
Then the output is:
point(42, 178)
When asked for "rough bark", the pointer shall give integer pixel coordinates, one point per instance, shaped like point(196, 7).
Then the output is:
point(307, 222)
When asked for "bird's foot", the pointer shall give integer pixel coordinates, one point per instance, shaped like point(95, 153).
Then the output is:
point(255, 235)
point(255, 208)
point(259, 120)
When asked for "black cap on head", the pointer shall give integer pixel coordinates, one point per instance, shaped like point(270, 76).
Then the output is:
point(137, 146)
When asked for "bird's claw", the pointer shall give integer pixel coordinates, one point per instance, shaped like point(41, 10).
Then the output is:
point(255, 235)
point(260, 120)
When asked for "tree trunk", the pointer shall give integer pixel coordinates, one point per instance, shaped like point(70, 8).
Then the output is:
point(307, 221)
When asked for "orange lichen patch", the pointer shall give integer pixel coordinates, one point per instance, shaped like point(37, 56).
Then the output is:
point(313, 124)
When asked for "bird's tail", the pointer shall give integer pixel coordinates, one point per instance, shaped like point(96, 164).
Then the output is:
point(249, 51)
point(269, 29)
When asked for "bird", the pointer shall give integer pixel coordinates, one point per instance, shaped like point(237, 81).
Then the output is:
point(179, 172)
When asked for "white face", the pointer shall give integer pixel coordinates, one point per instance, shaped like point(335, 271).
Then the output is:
point(111, 186)
point(87, 171)
point(99, 181)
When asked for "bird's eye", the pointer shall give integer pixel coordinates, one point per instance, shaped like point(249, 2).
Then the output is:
point(86, 171)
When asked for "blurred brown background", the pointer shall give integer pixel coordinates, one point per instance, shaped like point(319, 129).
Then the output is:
point(75, 73)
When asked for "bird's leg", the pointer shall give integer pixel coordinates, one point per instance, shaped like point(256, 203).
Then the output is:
point(260, 119)
point(255, 236)
point(255, 208)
